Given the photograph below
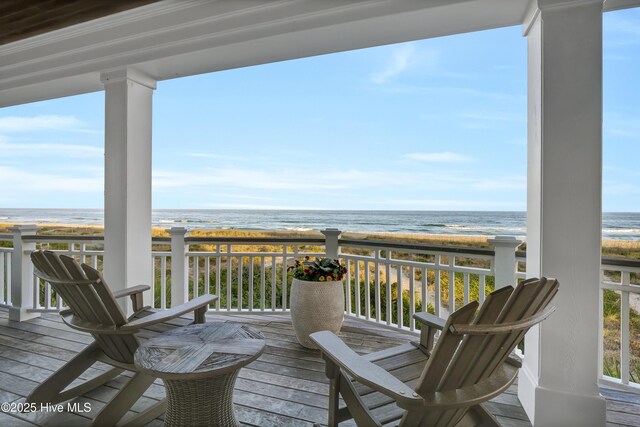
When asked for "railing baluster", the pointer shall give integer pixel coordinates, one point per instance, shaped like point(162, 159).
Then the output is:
point(240, 271)
point(36, 295)
point(9, 262)
point(376, 296)
point(438, 296)
point(348, 288)
point(624, 330)
point(47, 297)
point(466, 288)
point(425, 290)
point(196, 276)
point(399, 295)
point(367, 292)
point(163, 282)
point(263, 273)
point(388, 287)
point(285, 282)
point(229, 265)
point(218, 273)
point(274, 287)
point(482, 289)
point(452, 284)
point(356, 285)
point(207, 275)
point(251, 283)
point(2, 278)
point(412, 297)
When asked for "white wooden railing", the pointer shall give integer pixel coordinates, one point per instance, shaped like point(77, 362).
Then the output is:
point(620, 290)
point(250, 275)
point(422, 270)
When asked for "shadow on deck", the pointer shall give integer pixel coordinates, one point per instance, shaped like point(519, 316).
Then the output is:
point(286, 386)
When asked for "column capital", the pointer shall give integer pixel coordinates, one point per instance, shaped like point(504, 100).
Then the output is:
point(128, 74)
point(330, 232)
point(177, 231)
point(505, 242)
point(24, 230)
point(538, 6)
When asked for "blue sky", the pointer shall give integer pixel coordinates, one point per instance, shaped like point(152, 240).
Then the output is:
point(437, 124)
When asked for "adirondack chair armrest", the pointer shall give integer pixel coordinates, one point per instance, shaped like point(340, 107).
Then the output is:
point(130, 291)
point(336, 352)
point(135, 292)
point(430, 325)
point(196, 305)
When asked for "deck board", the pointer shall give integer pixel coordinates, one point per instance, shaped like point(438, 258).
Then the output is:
point(286, 386)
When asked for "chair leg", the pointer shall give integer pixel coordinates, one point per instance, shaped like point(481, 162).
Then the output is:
point(50, 391)
point(124, 400)
point(477, 416)
point(199, 314)
point(148, 415)
point(334, 400)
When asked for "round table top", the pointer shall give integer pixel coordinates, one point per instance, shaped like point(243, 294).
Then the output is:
point(199, 351)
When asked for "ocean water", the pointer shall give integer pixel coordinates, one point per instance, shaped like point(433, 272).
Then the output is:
point(614, 225)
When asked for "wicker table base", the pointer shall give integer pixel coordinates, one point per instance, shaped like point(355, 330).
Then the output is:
point(199, 365)
point(206, 402)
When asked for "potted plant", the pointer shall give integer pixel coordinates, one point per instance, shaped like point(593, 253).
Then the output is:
point(317, 297)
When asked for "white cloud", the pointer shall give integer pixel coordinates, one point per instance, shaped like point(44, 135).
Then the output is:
point(507, 183)
point(213, 156)
point(281, 179)
point(239, 196)
point(616, 23)
point(22, 180)
point(37, 123)
point(445, 204)
point(614, 188)
point(444, 157)
point(403, 57)
point(43, 149)
point(496, 117)
point(253, 206)
point(453, 91)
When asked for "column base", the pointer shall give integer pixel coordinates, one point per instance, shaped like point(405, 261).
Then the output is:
point(21, 314)
point(548, 408)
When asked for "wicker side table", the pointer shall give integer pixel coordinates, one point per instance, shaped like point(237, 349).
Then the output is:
point(199, 365)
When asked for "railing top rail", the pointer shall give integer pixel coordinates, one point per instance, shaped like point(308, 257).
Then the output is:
point(621, 262)
point(245, 240)
point(418, 247)
point(6, 236)
point(62, 238)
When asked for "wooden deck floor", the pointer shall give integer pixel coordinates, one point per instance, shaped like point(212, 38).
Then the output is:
point(286, 386)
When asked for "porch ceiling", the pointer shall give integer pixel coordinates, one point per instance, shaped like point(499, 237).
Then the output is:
point(65, 53)
point(169, 38)
point(20, 20)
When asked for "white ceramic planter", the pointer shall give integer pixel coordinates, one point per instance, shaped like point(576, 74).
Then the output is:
point(316, 306)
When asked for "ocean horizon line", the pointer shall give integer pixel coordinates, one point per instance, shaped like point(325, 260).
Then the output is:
point(615, 225)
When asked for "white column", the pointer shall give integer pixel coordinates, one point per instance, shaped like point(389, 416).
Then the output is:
point(22, 292)
point(179, 266)
point(127, 197)
point(558, 383)
point(504, 264)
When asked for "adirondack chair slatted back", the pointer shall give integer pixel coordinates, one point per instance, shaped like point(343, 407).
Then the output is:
point(84, 291)
point(460, 360)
